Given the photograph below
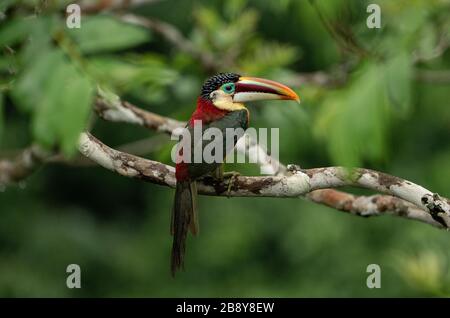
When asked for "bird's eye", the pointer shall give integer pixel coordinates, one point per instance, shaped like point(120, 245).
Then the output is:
point(228, 88)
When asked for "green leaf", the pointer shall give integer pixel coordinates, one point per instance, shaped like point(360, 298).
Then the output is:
point(105, 33)
point(428, 39)
point(15, 31)
point(398, 74)
point(5, 4)
point(143, 76)
point(45, 117)
point(36, 59)
point(28, 91)
point(74, 110)
point(40, 35)
point(353, 121)
point(64, 108)
point(268, 56)
point(233, 8)
point(59, 97)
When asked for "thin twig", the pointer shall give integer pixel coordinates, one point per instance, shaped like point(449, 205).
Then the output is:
point(174, 37)
point(95, 6)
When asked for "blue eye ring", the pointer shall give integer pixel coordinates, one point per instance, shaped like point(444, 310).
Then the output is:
point(228, 88)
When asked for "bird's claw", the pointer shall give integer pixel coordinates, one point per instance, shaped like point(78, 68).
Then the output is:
point(293, 168)
point(231, 175)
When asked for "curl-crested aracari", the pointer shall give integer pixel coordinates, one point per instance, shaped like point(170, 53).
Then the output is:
point(220, 105)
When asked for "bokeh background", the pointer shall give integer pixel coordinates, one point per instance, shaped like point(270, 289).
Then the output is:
point(377, 98)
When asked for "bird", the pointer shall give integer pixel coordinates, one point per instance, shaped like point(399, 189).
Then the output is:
point(219, 105)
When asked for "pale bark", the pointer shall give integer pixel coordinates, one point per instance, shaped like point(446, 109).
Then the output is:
point(400, 197)
point(417, 202)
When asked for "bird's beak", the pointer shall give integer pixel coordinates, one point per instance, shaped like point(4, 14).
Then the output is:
point(250, 89)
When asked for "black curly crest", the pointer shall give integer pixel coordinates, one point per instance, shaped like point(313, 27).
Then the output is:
point(216, 81)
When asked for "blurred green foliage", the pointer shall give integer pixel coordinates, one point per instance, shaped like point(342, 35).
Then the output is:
point(375, 111)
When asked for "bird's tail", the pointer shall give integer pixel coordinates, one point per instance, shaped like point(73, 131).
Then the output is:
point(184, 217)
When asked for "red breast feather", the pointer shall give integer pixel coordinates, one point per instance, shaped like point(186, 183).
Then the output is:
point(205, 112)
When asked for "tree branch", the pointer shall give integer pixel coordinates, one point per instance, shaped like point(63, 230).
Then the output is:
point(214, 64)
point(294, 184)
point(442, 45)
point(95, 6)
point(433, 76)
point(374, 205)
point(112, 108)
point(404, 198)
point(26, 162)
point(174, 37)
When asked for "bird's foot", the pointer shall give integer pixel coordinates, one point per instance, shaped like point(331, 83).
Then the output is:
point(218, 181)
point(293, 168)
point(231, 175)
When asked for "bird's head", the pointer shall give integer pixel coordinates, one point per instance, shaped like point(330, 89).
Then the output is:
point(228, 91)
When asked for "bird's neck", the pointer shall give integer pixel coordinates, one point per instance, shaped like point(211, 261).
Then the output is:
point(206, 111)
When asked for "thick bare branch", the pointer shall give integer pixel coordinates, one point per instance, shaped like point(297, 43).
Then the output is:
point(404, 198)
point(137, 148)
point(295, 183)
point(112, 108)
point(437, 207)
point(373, 205)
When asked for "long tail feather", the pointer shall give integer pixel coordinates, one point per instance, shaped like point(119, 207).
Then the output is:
point(183, 218)
point(194, 227)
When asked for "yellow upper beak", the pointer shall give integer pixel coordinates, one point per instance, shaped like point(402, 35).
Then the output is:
point(254, 88)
